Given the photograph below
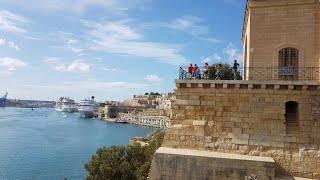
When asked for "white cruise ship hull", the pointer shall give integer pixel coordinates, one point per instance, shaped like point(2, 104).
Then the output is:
point(87, 111)
point(66, 108)
point(86, 114)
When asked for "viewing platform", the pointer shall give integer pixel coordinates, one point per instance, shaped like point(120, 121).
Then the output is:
point(285, 73)
point(250, 84)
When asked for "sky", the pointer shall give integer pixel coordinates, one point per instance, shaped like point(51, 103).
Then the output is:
point(111, 49)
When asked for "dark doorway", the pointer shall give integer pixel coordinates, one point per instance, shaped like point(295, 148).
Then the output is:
point(292, 117)
point(292, 112)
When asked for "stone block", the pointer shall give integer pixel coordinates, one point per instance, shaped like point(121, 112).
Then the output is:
point(170, 163)
point(200, 123)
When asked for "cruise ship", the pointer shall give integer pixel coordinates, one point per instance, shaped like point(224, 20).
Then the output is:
point(66, 104)
point(88, 108)
point(3, 100)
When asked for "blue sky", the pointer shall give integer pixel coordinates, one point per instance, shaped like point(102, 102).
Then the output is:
point(110, 48)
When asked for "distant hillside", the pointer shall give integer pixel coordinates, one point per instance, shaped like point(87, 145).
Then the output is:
point(29, 103)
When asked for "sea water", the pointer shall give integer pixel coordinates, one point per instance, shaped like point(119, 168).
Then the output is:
point(46, 144)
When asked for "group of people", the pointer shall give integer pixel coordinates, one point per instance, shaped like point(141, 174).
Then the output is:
point(194, 71)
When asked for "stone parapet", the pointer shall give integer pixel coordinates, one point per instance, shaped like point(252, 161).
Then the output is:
point(250, 84)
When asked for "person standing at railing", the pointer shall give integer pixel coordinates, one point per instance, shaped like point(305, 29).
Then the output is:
point(190, 71)
point(195, 71)
point(206, 71)
point(235, 69)
point(218, 71)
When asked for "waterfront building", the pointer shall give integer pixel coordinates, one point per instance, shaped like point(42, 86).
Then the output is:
point(165, 101)
point(158, 118)
point(262, 127)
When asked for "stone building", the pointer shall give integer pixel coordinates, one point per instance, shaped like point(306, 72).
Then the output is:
point(265, 126)
point(278, 35)
point(158, 118)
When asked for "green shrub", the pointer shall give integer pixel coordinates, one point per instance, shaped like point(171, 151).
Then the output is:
point(122, 163)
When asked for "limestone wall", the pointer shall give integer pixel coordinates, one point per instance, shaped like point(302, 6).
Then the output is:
point(248, 117)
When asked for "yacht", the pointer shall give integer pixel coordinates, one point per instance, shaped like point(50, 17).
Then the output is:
point(66, 104)
point(3, 100)
point(88, 108)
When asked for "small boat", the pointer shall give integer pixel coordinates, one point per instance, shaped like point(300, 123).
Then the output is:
point(66, 104)
point(121, 121)
point(88, 108)
point(3, 100)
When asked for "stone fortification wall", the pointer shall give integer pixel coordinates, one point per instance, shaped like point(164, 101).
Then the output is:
point(249, 118)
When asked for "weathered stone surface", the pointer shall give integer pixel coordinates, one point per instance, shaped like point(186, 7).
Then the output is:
point(181, 164)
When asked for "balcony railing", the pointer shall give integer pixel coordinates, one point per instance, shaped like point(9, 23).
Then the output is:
point(255, 73)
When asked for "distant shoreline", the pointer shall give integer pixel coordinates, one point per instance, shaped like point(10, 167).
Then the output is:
point(29, 103)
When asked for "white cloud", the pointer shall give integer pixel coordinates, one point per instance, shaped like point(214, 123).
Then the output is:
point(119, 38)
point(114, 30)
point(106, 85)
point(193, 25)
point(102, 90)
point(76, 66)
point(9, 22)
point(211, 40)
point(92, 85)
point(11, 64)
point(72, 45)
point(153, 78)
point(75, 49)
point(52, 60)
point(233, 53)
point(214, 58)
point(2, 42)
point(109, 69)
point(78, 6)
point(189, 23)
point(13, 45)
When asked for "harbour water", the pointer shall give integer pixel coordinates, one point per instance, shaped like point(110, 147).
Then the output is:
point(45, 144)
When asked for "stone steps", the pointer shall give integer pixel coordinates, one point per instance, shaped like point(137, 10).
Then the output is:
point(292, 129)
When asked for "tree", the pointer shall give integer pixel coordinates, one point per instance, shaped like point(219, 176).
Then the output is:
point(122, 163)
point(226, 72)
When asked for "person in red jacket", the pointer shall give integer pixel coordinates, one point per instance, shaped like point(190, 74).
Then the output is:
point(195, 72)
point(190, 71)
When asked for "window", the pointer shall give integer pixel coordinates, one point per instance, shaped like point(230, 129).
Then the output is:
point(288, 64)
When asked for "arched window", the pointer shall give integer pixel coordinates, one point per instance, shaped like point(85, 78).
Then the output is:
point(292, 117)
point(288, 63)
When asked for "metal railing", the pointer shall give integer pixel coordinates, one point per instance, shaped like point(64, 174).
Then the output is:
point(254, 73)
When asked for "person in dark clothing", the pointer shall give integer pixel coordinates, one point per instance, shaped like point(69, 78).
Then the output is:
point(235, 69)
point(218, 71)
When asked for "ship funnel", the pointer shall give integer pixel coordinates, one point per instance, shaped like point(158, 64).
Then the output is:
point(92, 97)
